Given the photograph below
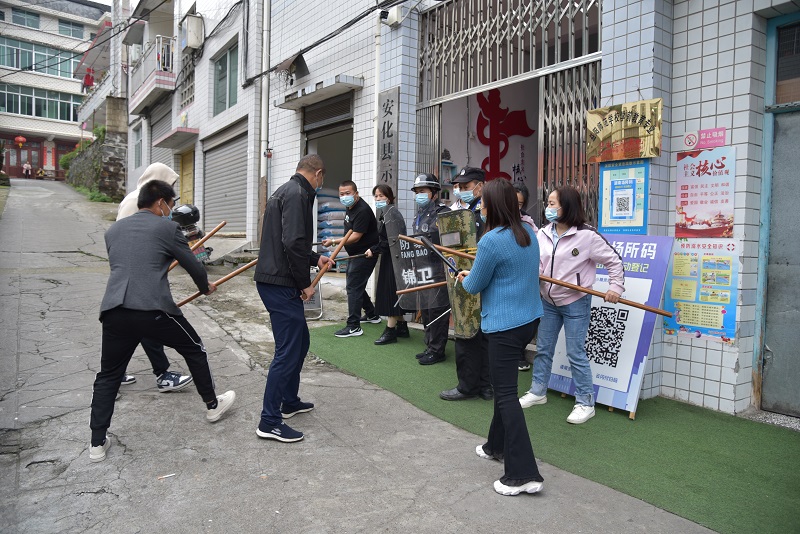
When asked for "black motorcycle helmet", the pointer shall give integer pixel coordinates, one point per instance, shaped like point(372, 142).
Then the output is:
point(186, 214)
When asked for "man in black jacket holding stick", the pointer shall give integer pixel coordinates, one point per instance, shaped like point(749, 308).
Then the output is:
point(283, 280)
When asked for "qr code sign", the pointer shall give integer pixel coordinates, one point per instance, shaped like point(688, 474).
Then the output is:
point(623, 204)
point(604, 339)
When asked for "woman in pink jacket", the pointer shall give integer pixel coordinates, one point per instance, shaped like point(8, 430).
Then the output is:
point(570, 251)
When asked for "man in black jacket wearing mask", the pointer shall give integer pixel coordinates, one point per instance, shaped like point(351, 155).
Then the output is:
point(283, 280)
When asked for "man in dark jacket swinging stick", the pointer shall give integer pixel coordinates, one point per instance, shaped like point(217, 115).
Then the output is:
point(283, 280)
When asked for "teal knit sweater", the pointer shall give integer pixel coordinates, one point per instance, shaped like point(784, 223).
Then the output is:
point(507, 277)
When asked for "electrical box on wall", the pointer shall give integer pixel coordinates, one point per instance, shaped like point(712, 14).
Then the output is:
point(191, 32)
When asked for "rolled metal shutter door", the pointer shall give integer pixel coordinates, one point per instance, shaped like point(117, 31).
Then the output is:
point(225, 196)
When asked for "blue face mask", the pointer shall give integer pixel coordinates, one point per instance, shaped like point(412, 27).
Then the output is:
point(551, 214)
point(167, 216)
point(483, 217)
point(422, 199)
point(347, 200)
point(380, 204)
point(456, 192)
point(467, 196)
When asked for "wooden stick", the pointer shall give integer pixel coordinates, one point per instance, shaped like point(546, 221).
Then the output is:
point(333, 257)
point(200, 242)
point(219, 282)
point(543, 278)
point(421, 288)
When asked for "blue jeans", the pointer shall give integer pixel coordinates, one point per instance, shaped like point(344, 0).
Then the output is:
point(575, 319)
point(291, 346)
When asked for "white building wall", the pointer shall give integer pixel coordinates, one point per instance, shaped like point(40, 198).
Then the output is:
point(351, 53)
point(707, 60)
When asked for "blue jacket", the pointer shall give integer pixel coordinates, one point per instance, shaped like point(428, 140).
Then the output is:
point(507, 277)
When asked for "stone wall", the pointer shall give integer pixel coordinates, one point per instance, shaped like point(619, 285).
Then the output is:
point(101, 166)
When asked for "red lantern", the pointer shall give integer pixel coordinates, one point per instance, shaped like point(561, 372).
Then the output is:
point(19, 140)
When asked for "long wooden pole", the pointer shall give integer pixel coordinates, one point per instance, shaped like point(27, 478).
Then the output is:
point(590, 291)
point(200, 242)
point(421, 288)
point(219, 282)
point(333, 257)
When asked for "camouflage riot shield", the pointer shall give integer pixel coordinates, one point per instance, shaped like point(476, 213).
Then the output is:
point(414, 266)
point(457, 231)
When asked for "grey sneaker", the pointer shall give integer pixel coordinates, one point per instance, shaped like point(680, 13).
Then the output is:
point(98, 454)
point(170, 381)
point(127, 380)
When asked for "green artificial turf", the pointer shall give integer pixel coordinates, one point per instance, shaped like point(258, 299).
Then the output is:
point(726, 473)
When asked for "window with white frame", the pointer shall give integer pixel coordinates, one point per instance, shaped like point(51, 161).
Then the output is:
point(23, 55)
point(226, 69)
point(33, 102)
point(137, 147)
point(24, 18)
point(72, 29)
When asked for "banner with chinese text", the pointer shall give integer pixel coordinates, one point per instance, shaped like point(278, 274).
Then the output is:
point(704, 202)
point(389, 104)
point(619, 336)
point(702, 289)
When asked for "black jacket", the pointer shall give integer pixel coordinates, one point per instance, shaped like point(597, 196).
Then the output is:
point(285, 255)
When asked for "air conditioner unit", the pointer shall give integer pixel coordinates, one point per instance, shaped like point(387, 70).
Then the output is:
point(191, 32)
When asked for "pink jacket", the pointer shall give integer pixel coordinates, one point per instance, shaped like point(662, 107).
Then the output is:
point(575, 261)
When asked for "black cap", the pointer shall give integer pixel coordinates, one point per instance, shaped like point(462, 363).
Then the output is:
point(468, 174)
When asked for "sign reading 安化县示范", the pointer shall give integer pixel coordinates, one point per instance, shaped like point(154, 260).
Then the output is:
point(624, 131)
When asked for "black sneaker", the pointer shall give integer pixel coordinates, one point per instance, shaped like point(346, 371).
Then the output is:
point(524, 365)
point(349, 331)
point(402, 329)
point(431, 358)
point(128, 380)
point(282, 432)
point(374, 319)
point(302, 407)
point(170, 381)
point(421, 355)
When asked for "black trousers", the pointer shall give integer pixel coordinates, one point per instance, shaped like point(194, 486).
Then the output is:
point(436, 332)
point(156, 355)
point(472, 364)
point(123, 330)
point(508, 433)
point(358, 272)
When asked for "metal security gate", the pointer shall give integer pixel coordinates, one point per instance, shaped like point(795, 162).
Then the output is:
point(428, 139)
point(781, 367)
point(158, 129)
point(564, 98)
point(467, 44)
point(225, 196)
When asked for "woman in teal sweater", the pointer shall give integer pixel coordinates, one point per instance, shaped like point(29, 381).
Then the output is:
point(504, 274)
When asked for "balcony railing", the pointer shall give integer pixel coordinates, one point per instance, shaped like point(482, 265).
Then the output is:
point(95, 97)
point(157, 56)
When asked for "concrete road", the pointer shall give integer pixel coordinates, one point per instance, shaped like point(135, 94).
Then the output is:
point(370, 461)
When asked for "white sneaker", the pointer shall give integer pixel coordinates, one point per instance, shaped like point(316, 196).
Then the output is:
point(529, 399)
point(224, 402)
point(530, 487)
point(98, 454)
point(480, 452)
point(580, 414)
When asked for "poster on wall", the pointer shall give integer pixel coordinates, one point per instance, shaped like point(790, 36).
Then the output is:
point(619, 336)
point(624, 131)
point(623, 197)
point(705, 185)
point(702, 290)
